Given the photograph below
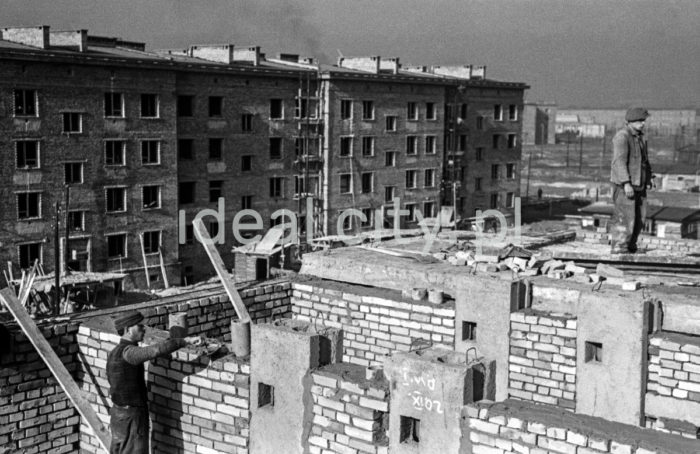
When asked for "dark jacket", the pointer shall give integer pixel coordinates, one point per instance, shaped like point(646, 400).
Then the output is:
point(630, 162)
point(125, 372)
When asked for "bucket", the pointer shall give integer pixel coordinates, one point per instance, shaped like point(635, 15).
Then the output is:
point(240, 338)
point(177, 325)
point(418, 294)
point(374, 372)
point(435, 296)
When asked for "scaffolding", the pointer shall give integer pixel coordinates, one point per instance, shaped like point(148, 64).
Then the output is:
point(308, 160)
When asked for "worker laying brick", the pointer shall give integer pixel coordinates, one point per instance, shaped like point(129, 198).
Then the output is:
point(129, 413)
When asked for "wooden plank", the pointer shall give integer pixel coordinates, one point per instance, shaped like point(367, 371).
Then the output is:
point(145, 262)
point(162, 269)
point(203, 236)
point(59, 371)
point(269, 241)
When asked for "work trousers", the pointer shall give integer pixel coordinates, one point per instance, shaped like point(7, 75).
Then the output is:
point(628, 219)
point(130, 430)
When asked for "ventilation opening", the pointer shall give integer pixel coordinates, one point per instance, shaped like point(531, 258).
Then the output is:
point(325, 351)
point(266, 395)
point(478, 384)
point(410, 430)
point(468, 331)
point(260, 269)
point(594, 352)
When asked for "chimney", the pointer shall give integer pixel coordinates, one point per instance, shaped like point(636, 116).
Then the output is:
point(70, 39)
point(461, 72)
point(221, 53)
point(247, 54)
point(389, 65)
point(29, 36)
point(479, 72)
point(367, 64)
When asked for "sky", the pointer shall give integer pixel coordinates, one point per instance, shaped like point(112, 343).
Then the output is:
point(584, 53)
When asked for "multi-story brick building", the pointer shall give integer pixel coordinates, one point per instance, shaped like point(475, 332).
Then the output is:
point(83, 116)
point(147, 140)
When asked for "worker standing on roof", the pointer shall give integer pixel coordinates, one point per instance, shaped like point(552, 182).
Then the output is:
point(631, 176)
point(125, 373)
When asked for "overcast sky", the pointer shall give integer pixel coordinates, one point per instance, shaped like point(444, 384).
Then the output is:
point(586, 53)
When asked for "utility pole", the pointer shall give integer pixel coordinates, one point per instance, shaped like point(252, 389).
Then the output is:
point(527, 185)
point(580, 154)
point(66, 252)
point(57, 263)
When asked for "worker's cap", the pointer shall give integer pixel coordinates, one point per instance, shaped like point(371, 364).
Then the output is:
point(127, 319)
point(636, 114)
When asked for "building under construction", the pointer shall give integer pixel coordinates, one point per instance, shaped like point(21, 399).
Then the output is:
point(547, 347)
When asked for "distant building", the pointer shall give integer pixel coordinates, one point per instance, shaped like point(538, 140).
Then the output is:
point(569, 125)
point(539, 123)
point(677, 177)
point(662, 222)
point(662, 122)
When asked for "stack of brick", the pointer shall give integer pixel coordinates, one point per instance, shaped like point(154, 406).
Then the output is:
point(523, 427)
point(35, 414)
point(197, 404)
point(375, 322)
point(542, 361)
point(674, 366)
point(350, 413)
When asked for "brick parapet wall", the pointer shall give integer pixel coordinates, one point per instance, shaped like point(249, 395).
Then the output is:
point(523, 427)
point(542, 360)
point(375, 322)
point(37, 417)
point(674, 366)
point(211, 316)
point(197, 405)
point(35, 414)
point(351, 414)
point(677, 245)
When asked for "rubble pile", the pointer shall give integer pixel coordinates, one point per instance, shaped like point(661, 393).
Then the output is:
point(524, 263)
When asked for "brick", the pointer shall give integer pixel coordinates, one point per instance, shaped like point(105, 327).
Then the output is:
point(484, 426)
point(359, 433)
point(518, 435)
point(479, 449)
point(556, 445)
point(374, 404)
point(619, 448)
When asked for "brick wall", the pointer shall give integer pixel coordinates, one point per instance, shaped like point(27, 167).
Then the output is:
point(350, 413)
point(542, 362)
point(35, 414)
point(211, 316)
point(522, 427)
point(674, 366)
point(197, 405)
point(676, 245)
point(376, 322)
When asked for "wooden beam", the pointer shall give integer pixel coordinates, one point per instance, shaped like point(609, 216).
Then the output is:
point(162, 269)
point(145, 262)
point(59, 371)
point(203, 236)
